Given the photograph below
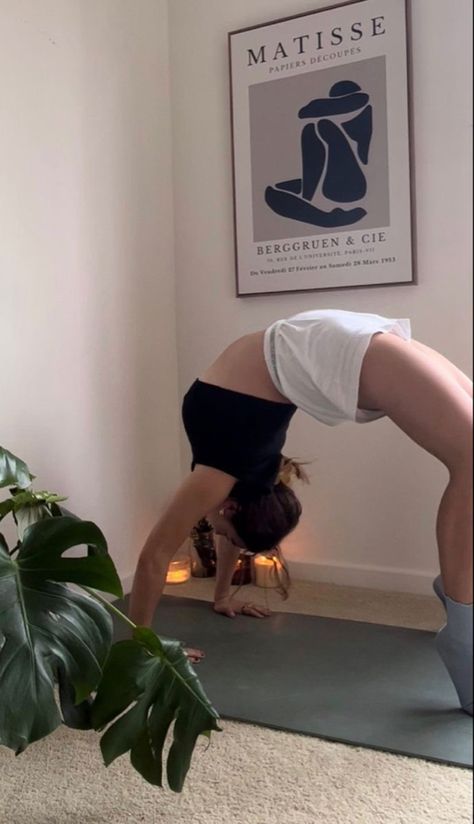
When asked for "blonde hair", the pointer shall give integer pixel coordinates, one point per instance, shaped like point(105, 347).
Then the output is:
point(290, 468)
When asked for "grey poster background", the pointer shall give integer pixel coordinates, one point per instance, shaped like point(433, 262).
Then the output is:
point(275, 145)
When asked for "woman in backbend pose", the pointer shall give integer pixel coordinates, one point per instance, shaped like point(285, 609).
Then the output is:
point(337, 366)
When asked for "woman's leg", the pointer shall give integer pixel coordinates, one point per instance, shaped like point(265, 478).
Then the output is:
point(445, 364)
point(465, 383)
point(429, 402)
point(426, 400)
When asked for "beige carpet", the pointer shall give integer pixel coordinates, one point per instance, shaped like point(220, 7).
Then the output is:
point(248, 775)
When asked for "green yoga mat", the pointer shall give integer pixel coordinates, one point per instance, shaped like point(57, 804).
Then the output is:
point(364, 684)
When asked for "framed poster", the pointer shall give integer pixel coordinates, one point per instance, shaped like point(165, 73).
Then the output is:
point(321, 150)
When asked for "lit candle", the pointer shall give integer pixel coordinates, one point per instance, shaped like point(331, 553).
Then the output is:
point(266, 569)
point(179, 571)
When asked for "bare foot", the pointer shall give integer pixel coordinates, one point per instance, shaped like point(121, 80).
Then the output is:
point(194, 655)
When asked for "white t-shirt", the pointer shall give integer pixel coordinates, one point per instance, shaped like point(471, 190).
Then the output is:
point(315, 359)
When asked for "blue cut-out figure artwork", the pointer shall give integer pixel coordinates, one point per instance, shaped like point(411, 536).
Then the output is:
point(332, 154)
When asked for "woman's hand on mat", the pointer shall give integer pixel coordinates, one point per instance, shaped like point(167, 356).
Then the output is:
point(231, 608)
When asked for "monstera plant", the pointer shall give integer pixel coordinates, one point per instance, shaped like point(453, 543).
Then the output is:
point(58, 662)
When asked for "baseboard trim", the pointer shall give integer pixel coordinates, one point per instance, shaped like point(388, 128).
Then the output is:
point(387, 579)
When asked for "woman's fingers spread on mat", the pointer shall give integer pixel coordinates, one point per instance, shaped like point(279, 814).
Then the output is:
point(256, 611)
point(232, 608)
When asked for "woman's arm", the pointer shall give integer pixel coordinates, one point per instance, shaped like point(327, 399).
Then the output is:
point(202, 490)
point(227, 557)
point(224, 604)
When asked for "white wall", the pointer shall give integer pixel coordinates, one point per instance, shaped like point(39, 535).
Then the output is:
point(370, 511)
point(87, 301)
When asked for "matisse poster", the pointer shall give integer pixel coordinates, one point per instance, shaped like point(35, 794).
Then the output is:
point(321, 150)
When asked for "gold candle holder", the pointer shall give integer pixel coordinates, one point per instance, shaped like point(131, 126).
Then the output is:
point(267, 570)
point(179, 571)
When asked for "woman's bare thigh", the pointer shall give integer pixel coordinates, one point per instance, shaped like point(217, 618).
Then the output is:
point(420, 395)
point(462, 379)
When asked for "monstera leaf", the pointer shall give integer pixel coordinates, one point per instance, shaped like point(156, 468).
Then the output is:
point(150, 683)
point(52, 636)
point(13, 471)
point(46, 629)
point(27, 507)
